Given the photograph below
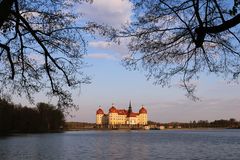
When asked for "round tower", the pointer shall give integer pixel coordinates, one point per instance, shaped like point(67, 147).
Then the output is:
point(99, 116)
point(143, 116)
point(112, 115)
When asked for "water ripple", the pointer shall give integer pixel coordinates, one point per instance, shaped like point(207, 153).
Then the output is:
point(134, 145)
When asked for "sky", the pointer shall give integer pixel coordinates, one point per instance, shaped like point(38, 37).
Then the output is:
point(112, 83)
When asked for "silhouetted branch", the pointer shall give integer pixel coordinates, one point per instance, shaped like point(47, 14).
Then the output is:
point(183, 38)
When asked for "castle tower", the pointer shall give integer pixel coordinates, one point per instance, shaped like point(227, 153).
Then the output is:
point(113, 114)
point(99, 116)
point(143, 116)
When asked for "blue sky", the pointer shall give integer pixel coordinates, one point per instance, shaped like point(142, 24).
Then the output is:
point(112, 83)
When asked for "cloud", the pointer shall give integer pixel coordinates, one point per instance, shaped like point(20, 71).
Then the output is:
point(118, 50)
point(100, 56)
point(100, 44)
point(114, 12)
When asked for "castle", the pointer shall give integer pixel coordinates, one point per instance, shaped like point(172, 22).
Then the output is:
point(121, 116)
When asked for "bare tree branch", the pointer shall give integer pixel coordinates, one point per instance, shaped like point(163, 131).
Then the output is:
point(183, 38)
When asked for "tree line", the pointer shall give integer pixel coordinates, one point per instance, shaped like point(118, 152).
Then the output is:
point(22, 119)
point(222, 123)
point(78, 126)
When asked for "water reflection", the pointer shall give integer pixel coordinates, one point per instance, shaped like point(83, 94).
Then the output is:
point(220, 144)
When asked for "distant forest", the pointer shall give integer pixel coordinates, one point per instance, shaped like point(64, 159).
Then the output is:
point(21, 119)
point(222, 123)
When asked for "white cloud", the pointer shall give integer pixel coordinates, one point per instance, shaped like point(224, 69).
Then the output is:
point(100, 44)
point(100, 56)
point(118, 50)
point(114, 12)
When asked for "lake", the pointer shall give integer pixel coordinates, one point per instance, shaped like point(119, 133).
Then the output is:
point(132, 145)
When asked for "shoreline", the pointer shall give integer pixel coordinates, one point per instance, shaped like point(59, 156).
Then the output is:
point(120, 129)
point(114, 129)
point(110, 129)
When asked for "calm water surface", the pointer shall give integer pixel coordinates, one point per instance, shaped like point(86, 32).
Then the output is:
point(170, 145)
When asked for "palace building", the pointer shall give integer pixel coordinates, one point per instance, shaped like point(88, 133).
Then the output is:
point(121, 116)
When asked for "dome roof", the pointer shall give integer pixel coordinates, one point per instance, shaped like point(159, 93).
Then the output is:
point(100, 111)
point(142, 110)
point(113, 109)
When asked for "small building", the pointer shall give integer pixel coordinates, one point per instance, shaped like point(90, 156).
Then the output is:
point(161, 127)
point(179, 127)
point(146, 127)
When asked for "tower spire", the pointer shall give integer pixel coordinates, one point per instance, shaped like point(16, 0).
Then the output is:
point(130, 107)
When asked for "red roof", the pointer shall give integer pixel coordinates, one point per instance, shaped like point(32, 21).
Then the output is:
point(100, 111)
point(142, 110)
point(113, 110)
point(122, 112)
point(132, 114)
